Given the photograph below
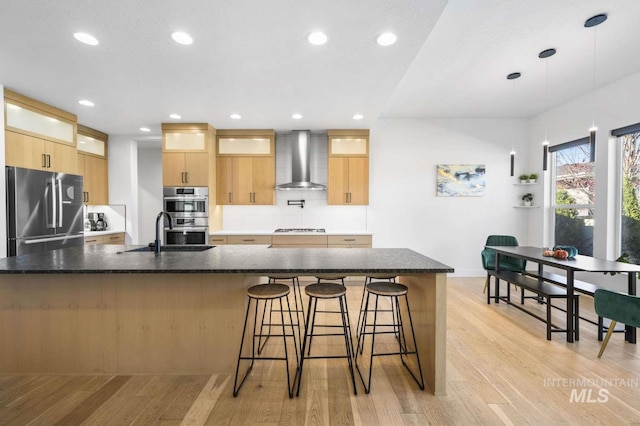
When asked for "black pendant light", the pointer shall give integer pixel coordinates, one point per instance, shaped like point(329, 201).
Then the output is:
point(593, 22)
point(545, 144)
point(512, 154)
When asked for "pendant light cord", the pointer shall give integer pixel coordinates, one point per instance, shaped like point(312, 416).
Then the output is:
point(593, 92)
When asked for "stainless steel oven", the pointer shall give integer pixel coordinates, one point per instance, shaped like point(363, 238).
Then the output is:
point(186, 202)
point(185, 231)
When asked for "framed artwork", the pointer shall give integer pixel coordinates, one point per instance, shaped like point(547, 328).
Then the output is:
point(460, 180)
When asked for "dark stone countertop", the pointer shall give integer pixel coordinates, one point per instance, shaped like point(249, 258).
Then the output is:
point(224, 259)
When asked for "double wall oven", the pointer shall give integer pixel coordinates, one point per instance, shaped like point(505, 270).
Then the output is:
point(189, 208)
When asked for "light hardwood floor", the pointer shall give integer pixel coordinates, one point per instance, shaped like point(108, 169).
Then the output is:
point(500, 370)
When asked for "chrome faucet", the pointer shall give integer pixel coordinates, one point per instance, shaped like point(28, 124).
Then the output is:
point(158, 222)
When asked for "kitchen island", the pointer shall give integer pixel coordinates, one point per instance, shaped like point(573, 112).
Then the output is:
point(104, 309)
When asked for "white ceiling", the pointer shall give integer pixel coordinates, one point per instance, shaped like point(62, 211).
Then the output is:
point(251, 57)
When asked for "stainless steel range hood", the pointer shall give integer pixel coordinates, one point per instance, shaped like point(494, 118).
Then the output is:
point(300, 163)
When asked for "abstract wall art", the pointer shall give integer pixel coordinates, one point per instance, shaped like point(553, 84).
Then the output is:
point(460, 180)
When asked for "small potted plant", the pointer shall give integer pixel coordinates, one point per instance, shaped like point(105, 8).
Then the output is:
point(533, 177)
point(524, 178)
point(527, 199)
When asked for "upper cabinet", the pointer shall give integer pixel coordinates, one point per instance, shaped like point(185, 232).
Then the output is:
point(246, 167)
point(39, 136)
point(187, 154)
point(348, 174)
point(93, 165)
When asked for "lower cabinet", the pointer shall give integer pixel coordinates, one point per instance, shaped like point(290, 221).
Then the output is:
point(117, 238)
point(296, 241)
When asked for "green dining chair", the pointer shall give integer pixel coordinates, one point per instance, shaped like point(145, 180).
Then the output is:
point(618, 307)
point(507, 263)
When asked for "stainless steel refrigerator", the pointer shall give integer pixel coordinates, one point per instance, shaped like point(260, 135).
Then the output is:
point(44, 211)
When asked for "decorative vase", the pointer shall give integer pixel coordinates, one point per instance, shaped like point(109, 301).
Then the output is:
point(532, 180)
point(526, 203)
point(524, 181)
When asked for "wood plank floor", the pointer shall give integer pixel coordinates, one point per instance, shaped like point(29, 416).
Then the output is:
point(500, 370)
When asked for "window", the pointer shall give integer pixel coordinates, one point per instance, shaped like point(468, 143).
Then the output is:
point(629, 138)
point(574, 195)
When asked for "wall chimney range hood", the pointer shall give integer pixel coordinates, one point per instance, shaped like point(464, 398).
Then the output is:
point(300, 163)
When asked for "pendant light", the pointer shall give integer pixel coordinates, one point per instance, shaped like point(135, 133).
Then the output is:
point(545, 144)
point(513, 76)
point(593, 22)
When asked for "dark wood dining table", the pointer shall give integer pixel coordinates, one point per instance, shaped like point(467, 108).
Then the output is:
point(579, 263)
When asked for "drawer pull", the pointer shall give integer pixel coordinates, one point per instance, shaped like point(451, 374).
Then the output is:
point(252, 239)
point(349, 239)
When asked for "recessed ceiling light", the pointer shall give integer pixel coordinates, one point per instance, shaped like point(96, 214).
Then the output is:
point(296, 116)
point(182, 38)
point(236, 116)
point(318, 38)
point(86, 38)
point(145, 129)
point(86, 102)
point(386, 39)
point(358, 116)
point(175, 116)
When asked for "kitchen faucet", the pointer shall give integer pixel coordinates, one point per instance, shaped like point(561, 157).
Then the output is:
point(158, 221)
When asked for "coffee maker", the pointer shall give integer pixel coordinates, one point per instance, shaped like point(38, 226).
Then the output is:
point(101, 223)
point(93, 221)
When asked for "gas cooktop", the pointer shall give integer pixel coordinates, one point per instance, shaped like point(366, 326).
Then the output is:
point(300, 230)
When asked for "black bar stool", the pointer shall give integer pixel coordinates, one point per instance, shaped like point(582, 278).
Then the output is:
point(393, 291)
point(330, 278)
point(368, 279)
point(327, 291)
point(298, 303)
point(267, 293)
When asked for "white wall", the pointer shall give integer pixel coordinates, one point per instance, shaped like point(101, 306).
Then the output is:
point(149, 192)
point(404, 210)
point(123, 181)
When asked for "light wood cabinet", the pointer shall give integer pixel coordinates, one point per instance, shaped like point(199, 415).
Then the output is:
point(249, 239)
point(349, 241)
point(299, 241)
point(348, 167)
point(95, 179)
point(187, 155)
point(217, 240)
point(93, 165)
point(117, 238)
point(246, 170)
point(35, 153)
point(185, 168)
point(39, 136)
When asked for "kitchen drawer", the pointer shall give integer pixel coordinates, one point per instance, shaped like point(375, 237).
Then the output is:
point(299, 241)
point(217, 240)
point(113, 238)
point(249, 239)
point(350, 240)
point(96, 239)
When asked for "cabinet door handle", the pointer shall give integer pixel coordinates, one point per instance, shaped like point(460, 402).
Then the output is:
point(48, 161)
point(186, 177)
point(349, 198)
point(44, 161)
point(229, 197)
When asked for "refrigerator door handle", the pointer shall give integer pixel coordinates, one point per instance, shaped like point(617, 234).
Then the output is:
point(44, 240)
point(54, 207)
point(59, 181)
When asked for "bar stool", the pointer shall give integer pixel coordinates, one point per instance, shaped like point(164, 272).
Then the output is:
point(393, 291)
point(297, 301)
point(267, 293)
point(323, 279)
point(368, 279)
point(327, 291)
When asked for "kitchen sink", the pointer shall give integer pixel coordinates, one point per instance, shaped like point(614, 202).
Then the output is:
point(189, 248)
